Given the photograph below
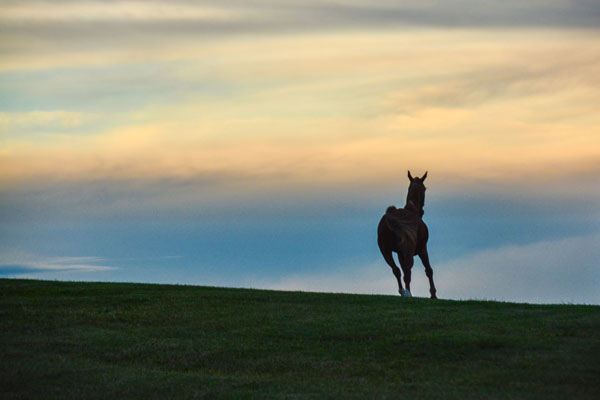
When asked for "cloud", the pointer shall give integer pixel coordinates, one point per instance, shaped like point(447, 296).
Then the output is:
point(90, 11)
point(356, 107)
point(47, 121)
point(16, 264)
point(73, 28)
point(268, 15)
point(556, 271)
point(506, 80)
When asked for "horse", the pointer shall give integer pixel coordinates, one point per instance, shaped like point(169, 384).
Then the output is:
point(402, 230)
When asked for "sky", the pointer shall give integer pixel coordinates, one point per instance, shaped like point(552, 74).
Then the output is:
point(257, 143)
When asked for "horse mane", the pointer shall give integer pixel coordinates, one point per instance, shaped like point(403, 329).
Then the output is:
point(416, 196)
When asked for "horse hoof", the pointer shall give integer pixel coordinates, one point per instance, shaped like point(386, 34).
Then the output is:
point(407, 293)
point(400, 292)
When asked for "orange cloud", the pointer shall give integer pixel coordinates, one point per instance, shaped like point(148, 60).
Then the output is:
point(355, 108)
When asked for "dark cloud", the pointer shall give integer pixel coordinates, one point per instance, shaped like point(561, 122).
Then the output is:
point(264, 17)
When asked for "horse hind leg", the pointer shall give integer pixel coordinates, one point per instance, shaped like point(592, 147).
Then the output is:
point(389, 259)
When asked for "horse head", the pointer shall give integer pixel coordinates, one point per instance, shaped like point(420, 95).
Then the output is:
point(416, 192)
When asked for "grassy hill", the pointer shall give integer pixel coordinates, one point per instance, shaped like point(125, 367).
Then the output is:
point(110, 340)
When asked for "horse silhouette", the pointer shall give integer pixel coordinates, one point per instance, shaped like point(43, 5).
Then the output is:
point(403, 231)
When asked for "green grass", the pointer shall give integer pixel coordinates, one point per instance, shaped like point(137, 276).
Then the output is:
point(62, 340)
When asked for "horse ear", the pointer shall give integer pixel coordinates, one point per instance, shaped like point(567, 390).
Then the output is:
point(410, 176)
point(424, 176)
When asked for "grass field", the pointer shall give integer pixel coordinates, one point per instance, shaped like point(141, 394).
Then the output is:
point(62, 340)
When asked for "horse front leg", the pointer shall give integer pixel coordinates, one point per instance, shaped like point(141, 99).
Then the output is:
point(424, 256)
point(406, 262)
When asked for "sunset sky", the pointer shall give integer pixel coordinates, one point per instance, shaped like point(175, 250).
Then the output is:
point(257, 143)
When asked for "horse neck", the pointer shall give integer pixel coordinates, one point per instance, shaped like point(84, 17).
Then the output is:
point(413, 196)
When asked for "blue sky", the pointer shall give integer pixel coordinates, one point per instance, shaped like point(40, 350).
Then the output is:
point(496, 247)
point(257, 144)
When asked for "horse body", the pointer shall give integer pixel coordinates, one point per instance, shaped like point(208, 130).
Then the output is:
point(403, 231)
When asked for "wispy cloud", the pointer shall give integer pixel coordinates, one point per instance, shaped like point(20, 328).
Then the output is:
point(45, 121)
point(90, 11)
point(17, 264)
point(275, 15)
